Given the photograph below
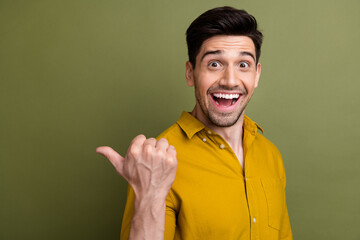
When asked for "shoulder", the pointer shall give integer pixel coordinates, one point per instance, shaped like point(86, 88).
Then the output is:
point(266, 144)
point(260, 141)
point(173, 134)
point(264, 154)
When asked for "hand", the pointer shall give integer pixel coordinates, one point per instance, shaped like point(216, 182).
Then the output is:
point(149, 166)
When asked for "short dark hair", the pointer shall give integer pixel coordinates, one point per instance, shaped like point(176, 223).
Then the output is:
point(222, 21)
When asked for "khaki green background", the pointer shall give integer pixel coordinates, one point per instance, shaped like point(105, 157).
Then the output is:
point(78, 74)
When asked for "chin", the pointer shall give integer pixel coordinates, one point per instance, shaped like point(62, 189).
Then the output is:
point(224, 120)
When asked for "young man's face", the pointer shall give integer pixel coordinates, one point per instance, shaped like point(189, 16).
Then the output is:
point(225, 77)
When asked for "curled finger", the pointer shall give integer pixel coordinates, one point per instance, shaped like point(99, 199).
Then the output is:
point(171, 155)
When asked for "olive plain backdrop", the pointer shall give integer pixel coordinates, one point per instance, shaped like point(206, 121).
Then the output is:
point(78, 74)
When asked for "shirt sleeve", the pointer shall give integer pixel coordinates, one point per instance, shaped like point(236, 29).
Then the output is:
point(285, 231)
point(170, 216)
point(170, 223)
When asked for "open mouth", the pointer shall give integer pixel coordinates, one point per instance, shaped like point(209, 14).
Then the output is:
point(224, 99)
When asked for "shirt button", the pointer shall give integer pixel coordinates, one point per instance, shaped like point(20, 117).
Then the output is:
point(222, 146)
point(254, 220)
point(204, 139)
point(209, 132)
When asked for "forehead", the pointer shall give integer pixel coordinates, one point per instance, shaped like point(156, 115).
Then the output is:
point(228, 43)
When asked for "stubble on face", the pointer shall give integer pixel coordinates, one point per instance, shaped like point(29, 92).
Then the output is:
point(221, 119)
point(225, 65)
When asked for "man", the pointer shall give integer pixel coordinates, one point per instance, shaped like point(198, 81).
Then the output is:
point(230, 180)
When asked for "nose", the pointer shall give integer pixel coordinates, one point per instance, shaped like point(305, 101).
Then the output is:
point(230, 78)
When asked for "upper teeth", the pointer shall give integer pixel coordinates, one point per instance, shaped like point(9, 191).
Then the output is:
point(226, 96)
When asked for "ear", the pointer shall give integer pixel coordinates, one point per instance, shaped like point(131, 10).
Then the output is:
point(189, 74)
point(258, 73)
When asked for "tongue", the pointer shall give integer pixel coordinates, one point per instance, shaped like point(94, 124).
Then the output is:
point(224, 102)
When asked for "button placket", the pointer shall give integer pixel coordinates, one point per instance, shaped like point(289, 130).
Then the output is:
point(251, 186)
point(204, 136)
point(209, 135)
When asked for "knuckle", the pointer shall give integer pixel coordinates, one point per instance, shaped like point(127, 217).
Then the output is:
point(172, 150)
point(149, 141)
point(139, 138)
point(159, 153)
point(134, 150)
point(163, 140)
point(171, 161)
point(148, 150)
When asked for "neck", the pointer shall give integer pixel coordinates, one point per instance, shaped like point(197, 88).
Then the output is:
point(233, 135)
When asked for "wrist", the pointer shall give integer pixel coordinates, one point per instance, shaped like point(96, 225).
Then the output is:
point(151, 208)
point(148, 219)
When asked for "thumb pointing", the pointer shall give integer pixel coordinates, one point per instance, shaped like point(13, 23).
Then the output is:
point(115, 158)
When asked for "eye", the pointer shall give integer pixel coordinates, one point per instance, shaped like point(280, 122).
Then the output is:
point(244, 65)
point(214, 64)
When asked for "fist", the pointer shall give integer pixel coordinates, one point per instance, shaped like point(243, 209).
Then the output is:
point(149, 166)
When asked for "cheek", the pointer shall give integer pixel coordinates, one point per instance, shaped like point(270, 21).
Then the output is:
point(211, 79)
point(204, 83)
point(250, 82)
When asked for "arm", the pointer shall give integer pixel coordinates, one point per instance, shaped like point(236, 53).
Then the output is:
point(285, 231)
point(149, 167)
point(170, 216)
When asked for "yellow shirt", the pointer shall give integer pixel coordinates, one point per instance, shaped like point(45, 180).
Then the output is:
point(211, 197)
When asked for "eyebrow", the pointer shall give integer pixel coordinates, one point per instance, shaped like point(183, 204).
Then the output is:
point(210, 53)
point(216, 52)
point(247, 54)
